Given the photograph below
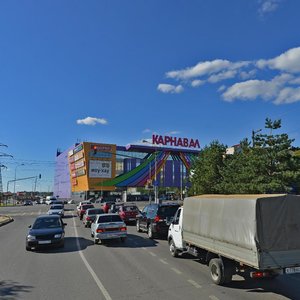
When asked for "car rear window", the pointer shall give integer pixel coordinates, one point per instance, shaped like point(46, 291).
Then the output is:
point(130, 208)
point(96, 211)
point(87, 206)
point(167, 211)
point(111, 218)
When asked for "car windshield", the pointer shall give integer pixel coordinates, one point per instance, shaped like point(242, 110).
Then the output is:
point(167, 211)
point(42, 223)
point(56, 206)
point(109, 218)
point(97, 211)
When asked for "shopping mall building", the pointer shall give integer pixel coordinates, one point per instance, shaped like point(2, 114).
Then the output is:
point(92, 169)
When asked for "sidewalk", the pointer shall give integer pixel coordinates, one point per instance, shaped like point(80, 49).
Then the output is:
point(5, 220)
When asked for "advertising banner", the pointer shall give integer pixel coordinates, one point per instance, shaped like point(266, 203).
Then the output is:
point(100, 169)
point(79, 164)
point(78, 155)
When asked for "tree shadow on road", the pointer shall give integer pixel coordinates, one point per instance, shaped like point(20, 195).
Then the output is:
point(11, 289)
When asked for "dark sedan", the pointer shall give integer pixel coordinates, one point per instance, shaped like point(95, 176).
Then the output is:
point(47, 230)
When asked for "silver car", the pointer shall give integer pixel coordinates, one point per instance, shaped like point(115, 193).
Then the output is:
point(107, 227)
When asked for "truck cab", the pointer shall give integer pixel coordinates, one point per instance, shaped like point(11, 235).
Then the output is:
point(175, 240)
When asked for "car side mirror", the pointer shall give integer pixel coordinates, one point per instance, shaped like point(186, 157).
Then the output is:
point(29, 226)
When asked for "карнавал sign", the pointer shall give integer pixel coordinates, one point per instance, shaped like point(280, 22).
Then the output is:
point(174, 141)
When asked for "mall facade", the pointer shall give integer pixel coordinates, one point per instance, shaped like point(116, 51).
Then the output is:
point(91, 169)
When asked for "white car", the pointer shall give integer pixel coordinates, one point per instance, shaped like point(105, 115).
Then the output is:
point(50, 199)
point(56, 209)
point(107, 227)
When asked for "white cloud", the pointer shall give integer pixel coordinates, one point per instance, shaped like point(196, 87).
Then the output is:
point(288, 61)
point(147, 130)
point(174, 132)
point(246, 75)
point(288, 95)
point(222, 88)
point(197, 82)
point(222, 76)
point(202, 68)
point(91, 121)
point(268, 6)
point(169, 88)
point(252, 89)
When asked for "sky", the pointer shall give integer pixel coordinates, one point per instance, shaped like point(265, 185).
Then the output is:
point(117, 71)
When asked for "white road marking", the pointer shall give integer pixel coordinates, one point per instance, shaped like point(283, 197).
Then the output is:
point(23, 214)
point(163, 261)
point(153, 254)
point(176, 271)
point(195, 284)
point(144, 248)
point(32, 213)
point(92, 272)
point(212, 297)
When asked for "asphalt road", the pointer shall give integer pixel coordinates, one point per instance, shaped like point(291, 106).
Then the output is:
point(138, 269)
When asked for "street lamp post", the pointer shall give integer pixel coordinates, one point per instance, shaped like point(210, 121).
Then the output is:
point(16, 177)
point(155, 176)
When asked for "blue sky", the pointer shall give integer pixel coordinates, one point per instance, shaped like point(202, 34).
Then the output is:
point(205, 69)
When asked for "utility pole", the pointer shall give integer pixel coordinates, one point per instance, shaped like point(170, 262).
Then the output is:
point(2, 166)
point(253, 136)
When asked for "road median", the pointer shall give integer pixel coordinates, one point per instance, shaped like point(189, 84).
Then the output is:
point(5, 220)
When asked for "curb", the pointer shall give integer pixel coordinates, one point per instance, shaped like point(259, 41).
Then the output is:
point(9, 220)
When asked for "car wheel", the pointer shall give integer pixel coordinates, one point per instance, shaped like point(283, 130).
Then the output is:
point(138, 229)
point(173, 249)
point(150, 232)
point(28, 248)
point(96, 241)
point(62, 245)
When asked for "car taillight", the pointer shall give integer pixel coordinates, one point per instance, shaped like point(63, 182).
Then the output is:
point(157, 219)
point(99, 230)
point(123, 228)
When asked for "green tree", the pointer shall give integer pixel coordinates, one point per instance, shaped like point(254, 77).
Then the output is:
point(268, 167)
point(206, 169)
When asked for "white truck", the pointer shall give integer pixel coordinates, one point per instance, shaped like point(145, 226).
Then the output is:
point(254, 236)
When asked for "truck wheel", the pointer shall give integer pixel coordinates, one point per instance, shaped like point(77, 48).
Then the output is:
point(138, 229)
point(216, 271)
point(172, 247)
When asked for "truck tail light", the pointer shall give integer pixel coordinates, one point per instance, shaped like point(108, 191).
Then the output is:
point(259, 274)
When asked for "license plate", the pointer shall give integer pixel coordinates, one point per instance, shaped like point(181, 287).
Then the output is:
point(44, 242)
point(131, 219)
point(292, 270)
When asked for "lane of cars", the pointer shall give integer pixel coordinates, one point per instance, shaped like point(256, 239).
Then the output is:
point(107, 221)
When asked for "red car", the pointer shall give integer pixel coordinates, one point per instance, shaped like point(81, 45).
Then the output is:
point(128, 212)
point(82, 209)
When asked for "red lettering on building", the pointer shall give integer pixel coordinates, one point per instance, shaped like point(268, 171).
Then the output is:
point(174, 141)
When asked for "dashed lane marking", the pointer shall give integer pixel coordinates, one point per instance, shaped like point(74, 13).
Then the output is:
point(163, 261)
point(92, 272)
point(153, 254)
point(144, 248)
point(195, 284)
point(176, 271)
point(212, 297)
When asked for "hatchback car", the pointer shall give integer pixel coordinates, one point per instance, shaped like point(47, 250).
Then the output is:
point(47, 230)
point(107, 227)
point(56, 209)
point(128, 212)
point(90, 216)
point(155, 219)
point(82, 210)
